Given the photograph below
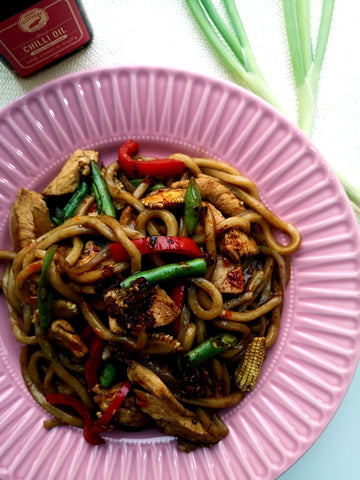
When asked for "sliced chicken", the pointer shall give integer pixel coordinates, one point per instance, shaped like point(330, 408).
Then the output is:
point(161, 405)
point(70, 175)
point(235, 243)
point(128, 217)
point(64, 334)
point(165, 198)
point(22, 224)
point(142, 306)
point(89, 251)
point(185, 424)
point(228, 277)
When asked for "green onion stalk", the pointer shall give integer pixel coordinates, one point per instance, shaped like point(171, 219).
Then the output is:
point(231, 43)
point(235, 53)
point(306, 61)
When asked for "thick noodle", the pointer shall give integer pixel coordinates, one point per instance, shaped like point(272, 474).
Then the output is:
point(181, 343)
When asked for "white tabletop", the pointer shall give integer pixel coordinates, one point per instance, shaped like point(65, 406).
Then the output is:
point(163, 33)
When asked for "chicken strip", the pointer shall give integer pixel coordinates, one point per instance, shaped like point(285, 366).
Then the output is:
point(235, 243)
point(161, 405)
point(22, 225)
point(227, 277)
point(64, 334)
point(70, 175)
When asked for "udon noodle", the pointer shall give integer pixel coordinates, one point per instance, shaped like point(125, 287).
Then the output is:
point(154, 302)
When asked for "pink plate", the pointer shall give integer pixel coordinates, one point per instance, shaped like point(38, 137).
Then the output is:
point(307, 371)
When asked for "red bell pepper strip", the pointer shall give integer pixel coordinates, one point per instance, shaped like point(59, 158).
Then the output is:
point(157, 244)
point(177, 294)
point(102, 422)
point(158, 167)
point(90, 436)
point(87, 334)
point(92, 363)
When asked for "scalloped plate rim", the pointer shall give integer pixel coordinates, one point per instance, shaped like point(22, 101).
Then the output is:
point(21, 102)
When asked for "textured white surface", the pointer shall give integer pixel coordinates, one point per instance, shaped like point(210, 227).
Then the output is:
point(162, 32)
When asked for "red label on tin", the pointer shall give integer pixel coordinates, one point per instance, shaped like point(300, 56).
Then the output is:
point(42, 34)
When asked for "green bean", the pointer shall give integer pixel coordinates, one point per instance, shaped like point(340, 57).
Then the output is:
point(78, 196)
point(194, 267)
point(156, 186)
point(192, 206)
point(44, 292)
point(209, 348)
point(101, 192)
point(107, 376)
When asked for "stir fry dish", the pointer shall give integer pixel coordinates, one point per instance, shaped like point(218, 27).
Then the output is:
point(146, 292)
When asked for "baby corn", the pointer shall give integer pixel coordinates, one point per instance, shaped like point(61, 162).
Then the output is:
point(248, 371)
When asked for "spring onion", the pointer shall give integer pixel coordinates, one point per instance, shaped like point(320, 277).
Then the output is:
point(230, 42)
point(306, 61)
point(237, 55)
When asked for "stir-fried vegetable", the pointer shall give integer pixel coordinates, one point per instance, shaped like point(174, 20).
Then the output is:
point(158, 167)
point(73, 204)
point(171, 271)
point(93, 362)
point(114, 406)
point(157, 244)
point(177, 294)
point(155, 186)
point(192, 206)
point(101, 192)
point(90, 435)
point(209, 348)
point(107, 376)
point(44, 292)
